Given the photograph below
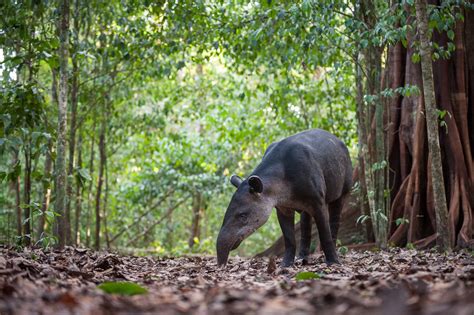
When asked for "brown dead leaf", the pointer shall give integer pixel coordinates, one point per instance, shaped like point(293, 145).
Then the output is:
point(389, 282)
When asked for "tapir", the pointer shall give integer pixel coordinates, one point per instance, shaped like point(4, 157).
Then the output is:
point(309, 172)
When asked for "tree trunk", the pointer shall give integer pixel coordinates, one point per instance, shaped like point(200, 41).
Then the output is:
point(48, 162)
point(197, 213)
point(436, 168)
point(364, 180)
point(72, 146)
point(106, 195)
point(371, 117)
point(60, 164)
point(100, 181)
point(413, 187)
point(46, 194)
point(27, 236)
point(77, 230)
point(89, 193)
point(17, 188)
point(72, 127)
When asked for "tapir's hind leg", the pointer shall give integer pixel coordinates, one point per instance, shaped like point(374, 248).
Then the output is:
point(324, 230)
point(335, 209)
point(305, 225)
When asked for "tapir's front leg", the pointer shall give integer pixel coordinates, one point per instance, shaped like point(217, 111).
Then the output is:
point(287, 224)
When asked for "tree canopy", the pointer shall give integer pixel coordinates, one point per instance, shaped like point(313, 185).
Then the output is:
point(167, 99)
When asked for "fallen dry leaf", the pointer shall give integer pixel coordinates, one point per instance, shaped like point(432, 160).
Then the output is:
point(396, 281)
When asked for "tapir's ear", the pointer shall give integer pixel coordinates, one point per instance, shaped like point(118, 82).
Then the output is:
point(236, 180)
point(255, 184)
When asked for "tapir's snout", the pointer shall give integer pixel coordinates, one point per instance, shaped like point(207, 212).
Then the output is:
point(224, 245)
point(227, 241)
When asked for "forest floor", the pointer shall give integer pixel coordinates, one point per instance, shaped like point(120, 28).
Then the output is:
point(396, 281)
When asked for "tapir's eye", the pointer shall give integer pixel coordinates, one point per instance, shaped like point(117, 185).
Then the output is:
point(243, 216)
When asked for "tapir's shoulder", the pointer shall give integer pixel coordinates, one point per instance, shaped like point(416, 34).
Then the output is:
point(270, 148)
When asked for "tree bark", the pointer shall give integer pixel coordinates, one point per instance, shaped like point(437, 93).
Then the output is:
point(371, 119)
point(19, 211)
point(27, 236)
point(106, 199)
point(48, 162)
point(60, 164)
point(72, 127)
point(197, 213)
point(78, 196)
point(436, 170)
point(46, 195)
point(89, 193)
point(100, 181)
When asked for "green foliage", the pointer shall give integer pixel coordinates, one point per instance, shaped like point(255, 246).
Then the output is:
point(122, 288)
point(341, 248)
point(307, 275)
point(362, 219)
point(410, 246)
point(400, 221)
point(188, 93)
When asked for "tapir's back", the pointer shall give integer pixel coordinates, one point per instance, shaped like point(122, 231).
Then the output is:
point(311, 156)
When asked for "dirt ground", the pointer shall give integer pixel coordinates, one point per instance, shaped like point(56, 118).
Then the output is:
point(397, 281)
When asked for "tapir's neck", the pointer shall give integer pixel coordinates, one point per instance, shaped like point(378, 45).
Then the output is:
point(276, 190)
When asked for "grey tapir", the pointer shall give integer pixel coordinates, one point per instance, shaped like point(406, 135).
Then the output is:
point(310, 172)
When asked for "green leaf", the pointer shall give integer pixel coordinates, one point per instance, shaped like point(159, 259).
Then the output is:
point(451, 34)
point(84, 173)
point(307, 275)
point(122, 288)
point(415, 58)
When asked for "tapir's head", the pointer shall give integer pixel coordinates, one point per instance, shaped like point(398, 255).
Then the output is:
point(248, 210)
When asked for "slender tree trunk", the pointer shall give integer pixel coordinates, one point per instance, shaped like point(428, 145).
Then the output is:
point(60, 165)
point(197, 213)
point(17, 188)
point(436, 169)
point(46, 194)
point(371, 130)
point(366, 203)
point(77, 230)
point(27, 194)
point(100, 181)
point(106, 195)
point(48, 163)
point(72, 128)
point(72, 145)
point(89, 193)
point(380, 214)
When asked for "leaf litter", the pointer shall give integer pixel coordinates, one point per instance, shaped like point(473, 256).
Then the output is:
point(396, 281)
